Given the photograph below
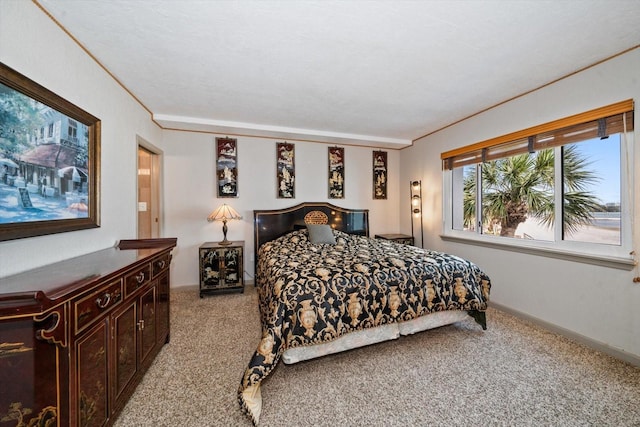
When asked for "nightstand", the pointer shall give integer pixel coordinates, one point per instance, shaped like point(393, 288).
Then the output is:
point(398, 238)
point(221, 267)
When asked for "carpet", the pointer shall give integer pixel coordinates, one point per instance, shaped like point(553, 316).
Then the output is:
point(513, 374)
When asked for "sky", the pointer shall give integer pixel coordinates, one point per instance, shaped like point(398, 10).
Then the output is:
point(604, 156)
point(604, 159)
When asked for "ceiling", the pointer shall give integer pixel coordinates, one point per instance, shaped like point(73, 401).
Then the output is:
point(374, 73)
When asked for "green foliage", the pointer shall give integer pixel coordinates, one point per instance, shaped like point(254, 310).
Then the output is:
point(520, 187)
point(579, 204)
point(19, 118)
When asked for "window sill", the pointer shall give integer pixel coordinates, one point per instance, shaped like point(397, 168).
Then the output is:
point(600, 260)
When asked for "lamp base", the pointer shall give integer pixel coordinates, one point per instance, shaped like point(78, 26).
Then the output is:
point(224, 242)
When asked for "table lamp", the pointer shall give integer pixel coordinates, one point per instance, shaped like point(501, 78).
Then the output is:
point(224, 213)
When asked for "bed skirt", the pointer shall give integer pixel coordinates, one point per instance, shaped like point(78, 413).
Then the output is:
point(372, 336)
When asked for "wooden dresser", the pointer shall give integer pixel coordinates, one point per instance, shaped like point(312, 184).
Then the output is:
point(77, 336)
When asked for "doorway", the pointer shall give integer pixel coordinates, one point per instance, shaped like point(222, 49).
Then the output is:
point(149, 212)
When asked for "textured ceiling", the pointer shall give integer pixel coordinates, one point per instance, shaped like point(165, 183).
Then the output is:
point(378, 73)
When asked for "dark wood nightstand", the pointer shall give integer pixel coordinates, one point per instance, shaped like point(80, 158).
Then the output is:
point(398, 238)
point(221, 267)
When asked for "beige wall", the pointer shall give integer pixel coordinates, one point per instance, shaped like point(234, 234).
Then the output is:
point(48, 56)
point(32, 44)
point(594, 302)
point(190, 192)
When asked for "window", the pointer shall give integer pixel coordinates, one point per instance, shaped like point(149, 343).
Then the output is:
point(73, 130)
point(464, 207)
point(50, 132)
point(584, 221)
point(563, 186)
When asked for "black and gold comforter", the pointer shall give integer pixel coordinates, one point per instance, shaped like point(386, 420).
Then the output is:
point(314, 293)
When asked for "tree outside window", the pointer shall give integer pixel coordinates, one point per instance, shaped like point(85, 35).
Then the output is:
point(518, 194)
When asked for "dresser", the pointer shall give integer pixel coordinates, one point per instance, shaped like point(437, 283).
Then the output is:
point(77, 336)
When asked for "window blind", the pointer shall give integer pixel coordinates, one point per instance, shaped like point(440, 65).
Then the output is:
point(598, 123)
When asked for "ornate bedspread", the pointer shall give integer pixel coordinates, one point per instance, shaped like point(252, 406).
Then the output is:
point(314, 293)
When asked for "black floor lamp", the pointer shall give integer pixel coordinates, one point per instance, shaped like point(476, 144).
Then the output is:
point(415, 192)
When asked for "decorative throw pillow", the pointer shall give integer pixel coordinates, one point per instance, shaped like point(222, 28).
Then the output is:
point(321, 233)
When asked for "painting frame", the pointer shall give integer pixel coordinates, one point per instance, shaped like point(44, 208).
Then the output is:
point(285, 170)
point(227, 167)
point(50, 161)
point(336, 173)
point(380, 175)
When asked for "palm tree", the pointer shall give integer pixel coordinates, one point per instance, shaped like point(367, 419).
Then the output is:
point(520, 187)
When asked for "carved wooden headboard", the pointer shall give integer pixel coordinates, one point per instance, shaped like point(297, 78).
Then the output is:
point(271, 224)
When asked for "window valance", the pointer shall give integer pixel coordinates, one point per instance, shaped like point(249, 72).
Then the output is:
point(598, 123)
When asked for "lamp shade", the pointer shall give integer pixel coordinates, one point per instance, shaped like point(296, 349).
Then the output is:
point(224, 213)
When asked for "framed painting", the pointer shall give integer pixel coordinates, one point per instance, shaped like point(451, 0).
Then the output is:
point(49, 161)
point(286, 170)
point(379, 175)
point(336, 173)
point(227, 167)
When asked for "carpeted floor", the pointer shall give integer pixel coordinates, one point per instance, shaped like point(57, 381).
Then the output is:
point(513, 374)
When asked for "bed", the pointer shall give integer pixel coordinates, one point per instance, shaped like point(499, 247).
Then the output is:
point(324, 286)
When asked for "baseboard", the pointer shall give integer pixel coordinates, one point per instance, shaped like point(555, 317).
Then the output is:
point(589, 342)
point(247, 283)
point(181, 288)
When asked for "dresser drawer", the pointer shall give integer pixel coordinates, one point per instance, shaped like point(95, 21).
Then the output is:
point(89, 308)
point(136, 279)
point(160, 264)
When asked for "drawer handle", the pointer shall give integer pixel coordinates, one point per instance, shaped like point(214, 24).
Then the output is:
point(104, 300)
point(140, 277)
point(161, 264)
